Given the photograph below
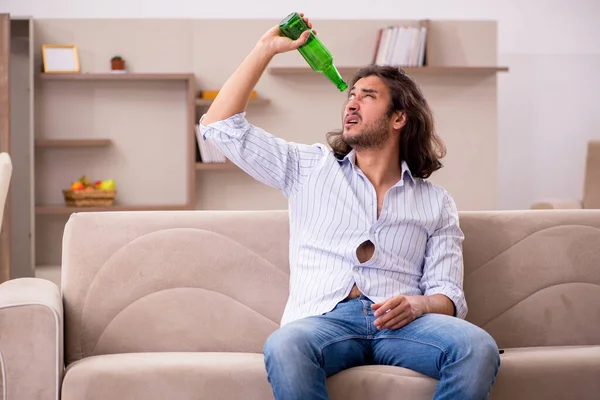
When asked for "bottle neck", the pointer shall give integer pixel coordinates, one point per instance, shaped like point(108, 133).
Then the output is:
point(334, 76)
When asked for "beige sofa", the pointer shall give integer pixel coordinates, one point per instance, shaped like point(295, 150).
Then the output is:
point(178, 304)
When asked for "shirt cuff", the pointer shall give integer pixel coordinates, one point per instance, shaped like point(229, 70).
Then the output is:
point(235, 126)
point(455, 295)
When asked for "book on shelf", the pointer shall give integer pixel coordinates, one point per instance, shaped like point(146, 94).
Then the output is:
point(402, 46)
point(206, 152)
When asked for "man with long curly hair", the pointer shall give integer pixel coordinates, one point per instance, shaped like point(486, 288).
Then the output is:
point(376, 267)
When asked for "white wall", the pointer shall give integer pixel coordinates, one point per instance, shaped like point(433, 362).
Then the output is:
point(548, 102)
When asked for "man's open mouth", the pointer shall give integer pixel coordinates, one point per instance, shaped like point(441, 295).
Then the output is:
point(351, 120)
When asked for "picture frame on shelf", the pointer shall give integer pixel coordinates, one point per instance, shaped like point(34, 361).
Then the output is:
point(60, 58)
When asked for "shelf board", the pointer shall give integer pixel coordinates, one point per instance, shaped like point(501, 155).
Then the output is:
point(257, 101)
point(59, 209)
point(227, 166)
point(117, 77)
point(409, 70)
point(72, 142)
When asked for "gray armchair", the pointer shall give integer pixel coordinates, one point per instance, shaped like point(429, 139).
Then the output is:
point(591, 186)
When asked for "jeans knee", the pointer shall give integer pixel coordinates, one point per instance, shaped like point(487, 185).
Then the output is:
point(483, 350)
point(286, 344)
point(274, 345)
point(476, 360)
point(471, 344)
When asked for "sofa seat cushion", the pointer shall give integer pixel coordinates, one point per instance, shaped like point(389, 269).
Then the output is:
point(220, 376)
point(528, 373)
point(152, 376)
point(561, 372)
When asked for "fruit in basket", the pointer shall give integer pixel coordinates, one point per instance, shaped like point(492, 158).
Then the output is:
point(85, 181)
point(75, 186)
point(84, 184)
point(86, 193)
point(108, 184)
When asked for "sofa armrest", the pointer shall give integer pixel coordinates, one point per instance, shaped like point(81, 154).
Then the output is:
point(568, 204)
point(31, 339)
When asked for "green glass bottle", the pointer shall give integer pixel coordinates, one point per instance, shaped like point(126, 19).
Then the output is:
point(313, 51)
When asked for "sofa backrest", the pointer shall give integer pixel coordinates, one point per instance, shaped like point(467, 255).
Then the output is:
point(532, 278)
point(218, 280)
point(173, 281)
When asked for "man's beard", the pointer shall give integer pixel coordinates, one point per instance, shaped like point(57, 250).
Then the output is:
point(372, 136)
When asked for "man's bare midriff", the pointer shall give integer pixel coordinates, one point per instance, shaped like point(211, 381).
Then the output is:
point(364, 252)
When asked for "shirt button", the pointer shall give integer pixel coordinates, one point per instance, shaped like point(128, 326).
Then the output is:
point(364, 311)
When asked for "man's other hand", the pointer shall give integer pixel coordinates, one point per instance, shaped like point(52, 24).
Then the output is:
point(398, 311)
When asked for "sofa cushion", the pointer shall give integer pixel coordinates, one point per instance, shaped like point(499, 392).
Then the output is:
point(224, 376)
point(569, 372)
point(531, 277)
point(525, 374)
point(152, 376)
point(194, 281)
point(528, 373)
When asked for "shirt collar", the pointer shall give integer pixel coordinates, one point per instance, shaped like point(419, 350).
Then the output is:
point(406, 171)
point(351, 157)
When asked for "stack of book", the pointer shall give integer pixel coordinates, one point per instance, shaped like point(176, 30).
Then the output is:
point(207, 153)
point(402, 46)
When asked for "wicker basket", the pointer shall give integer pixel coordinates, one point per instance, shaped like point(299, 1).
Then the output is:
point(93, 198)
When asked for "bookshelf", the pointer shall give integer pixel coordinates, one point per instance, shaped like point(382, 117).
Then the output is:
point(459, 79)
point(55, 143)
point(65, 210)
point(188, 79)
point(90, 76)
point(226, 166)
point(425, 70)
point(259, 101)
point(17, 77)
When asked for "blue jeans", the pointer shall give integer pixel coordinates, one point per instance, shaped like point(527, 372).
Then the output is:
point(300, 355)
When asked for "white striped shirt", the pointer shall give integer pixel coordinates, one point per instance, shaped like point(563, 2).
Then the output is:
point(333, 209)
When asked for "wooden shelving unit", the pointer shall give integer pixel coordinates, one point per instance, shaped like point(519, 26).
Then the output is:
point(64, 210)
point(116, 77)
point(409, 70)
point(187, 78)
point(49, 143)
point(255, 102)
point(18, 46)
point(462, 53)
point(226, 166)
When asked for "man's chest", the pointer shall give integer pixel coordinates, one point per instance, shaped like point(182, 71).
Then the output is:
point(361, 227)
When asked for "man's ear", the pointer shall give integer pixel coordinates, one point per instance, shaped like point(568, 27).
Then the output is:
point(399, 119)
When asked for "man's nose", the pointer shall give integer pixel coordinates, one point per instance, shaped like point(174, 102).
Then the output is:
point(352, 106)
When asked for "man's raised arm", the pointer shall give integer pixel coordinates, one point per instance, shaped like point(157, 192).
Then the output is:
point(268, 159)
point(235, 93)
